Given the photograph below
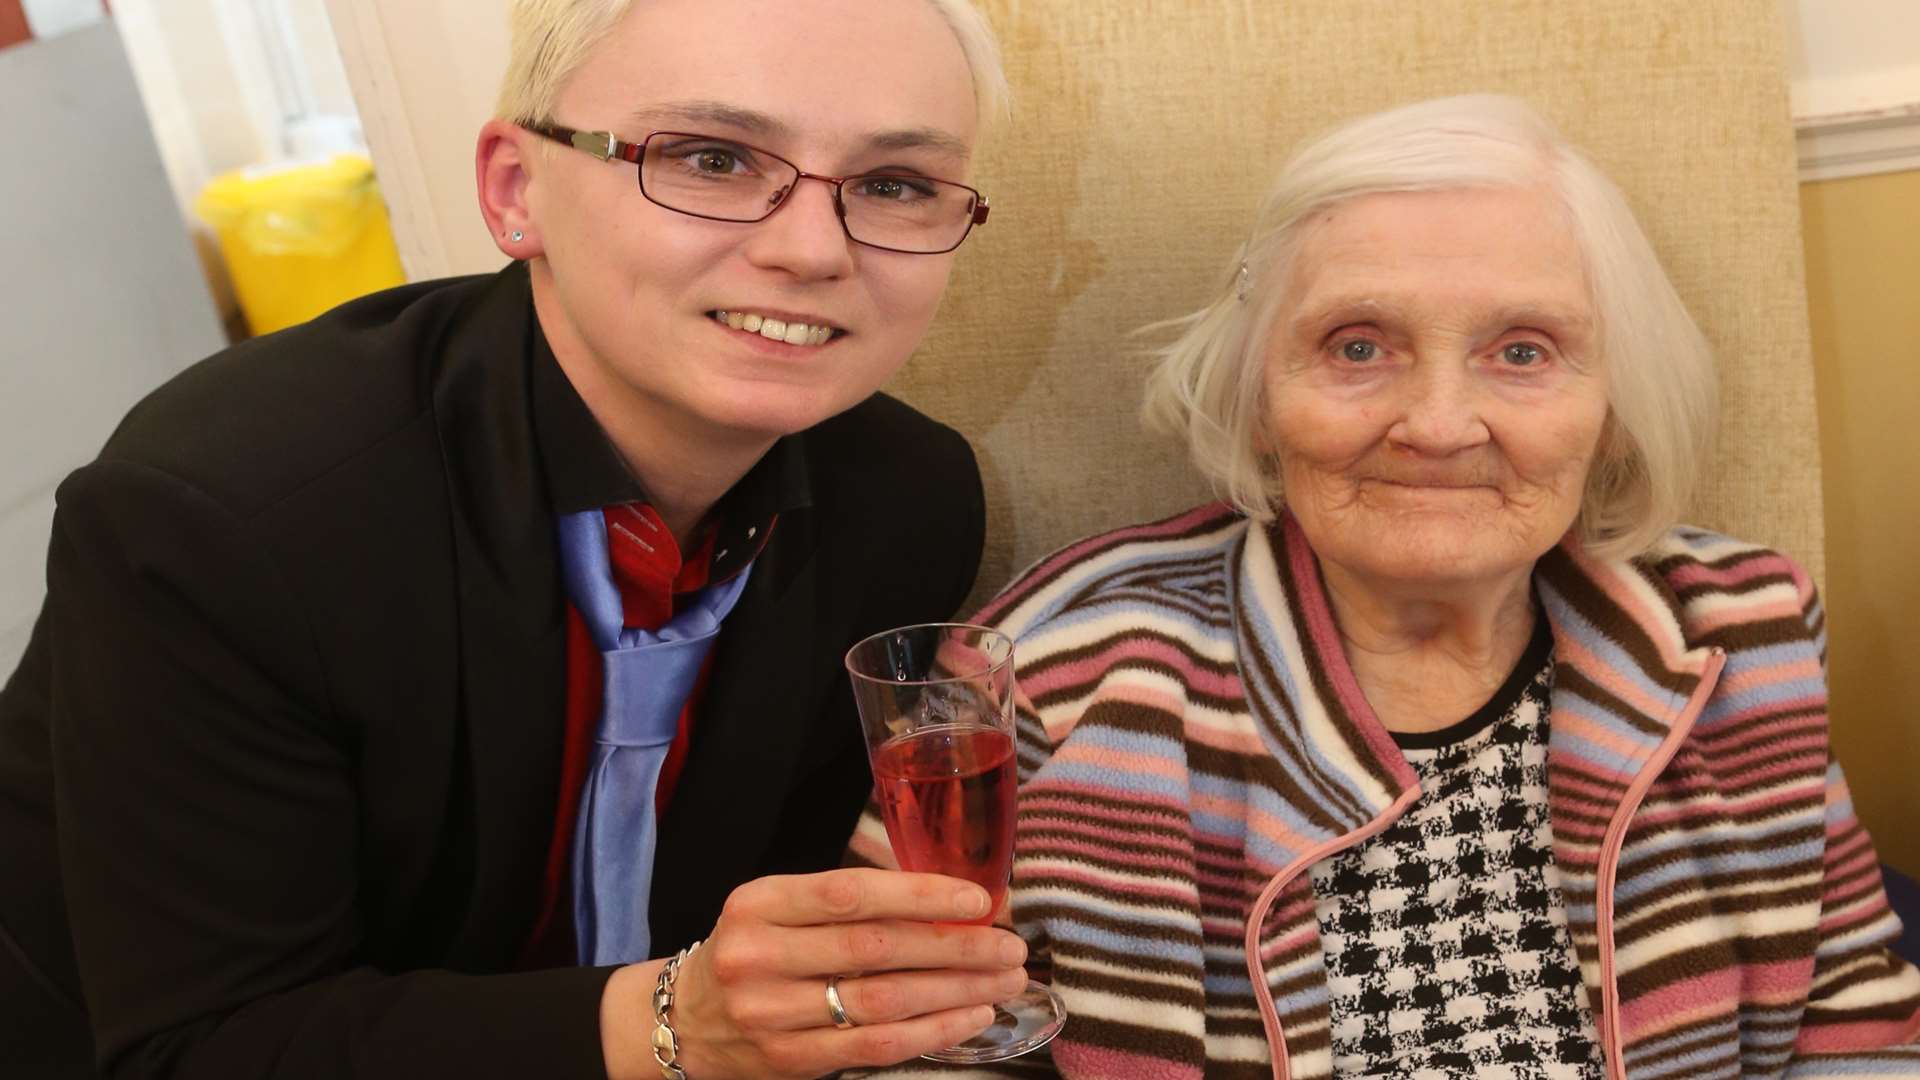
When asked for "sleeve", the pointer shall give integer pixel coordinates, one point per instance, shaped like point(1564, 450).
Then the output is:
point(1863, 1011)
point(208, 818)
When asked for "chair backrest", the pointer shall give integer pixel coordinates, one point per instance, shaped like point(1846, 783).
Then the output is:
point(1144, 133)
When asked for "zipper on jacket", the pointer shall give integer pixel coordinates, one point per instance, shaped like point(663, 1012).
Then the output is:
point(1270, 1013)
point(1611, 1038)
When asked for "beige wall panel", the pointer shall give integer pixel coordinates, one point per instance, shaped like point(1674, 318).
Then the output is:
point(1143, 134)
point(1863, 278)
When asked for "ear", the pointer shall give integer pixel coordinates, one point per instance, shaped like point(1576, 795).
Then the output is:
point(503, 161)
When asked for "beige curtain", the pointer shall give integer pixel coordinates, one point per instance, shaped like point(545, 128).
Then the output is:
point(1143, 133)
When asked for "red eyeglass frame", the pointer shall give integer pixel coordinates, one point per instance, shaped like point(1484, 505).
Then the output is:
point(605, 146)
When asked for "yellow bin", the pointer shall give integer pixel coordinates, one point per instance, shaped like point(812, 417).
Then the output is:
point(300, 239)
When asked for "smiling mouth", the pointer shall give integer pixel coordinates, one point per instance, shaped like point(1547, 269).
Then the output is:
point(793, 333)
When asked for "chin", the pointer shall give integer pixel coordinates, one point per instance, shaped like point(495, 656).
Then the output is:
point(779, 413)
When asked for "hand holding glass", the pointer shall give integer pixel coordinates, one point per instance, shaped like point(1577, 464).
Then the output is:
point(936, 702)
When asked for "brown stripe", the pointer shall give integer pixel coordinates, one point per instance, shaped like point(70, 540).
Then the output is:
point(1579, 592)
point(1712, 1037)
point(1704, 909)
point(1030, 671)
point(1573, 680)
point(1096, 802)
point(1757, 634)
point(1024, 589)
point(1725, 740)
point(1698, 589)
point(1151, 1041)
point(1329, 806)
point(1186, 997)
point(1705, 849)
point(1029, 911)
point(1644, 979)
point(1318, 665)
point(1672, 563)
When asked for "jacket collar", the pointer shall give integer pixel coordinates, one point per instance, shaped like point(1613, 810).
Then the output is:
point(1624, 671)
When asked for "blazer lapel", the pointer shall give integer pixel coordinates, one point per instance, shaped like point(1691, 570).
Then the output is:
point(512, 646)
point(760, 703)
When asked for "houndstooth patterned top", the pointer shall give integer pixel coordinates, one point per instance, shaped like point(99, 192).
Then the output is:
point(1445, 935)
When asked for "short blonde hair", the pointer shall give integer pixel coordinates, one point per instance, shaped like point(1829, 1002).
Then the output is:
point(1207, 388)
point(550, 39)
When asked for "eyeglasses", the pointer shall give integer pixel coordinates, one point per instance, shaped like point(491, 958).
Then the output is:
point(723, 180)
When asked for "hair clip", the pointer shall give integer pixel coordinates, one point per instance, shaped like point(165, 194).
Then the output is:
point(1242, 283)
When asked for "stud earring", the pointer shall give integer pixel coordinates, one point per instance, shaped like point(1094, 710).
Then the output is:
point(518, 236)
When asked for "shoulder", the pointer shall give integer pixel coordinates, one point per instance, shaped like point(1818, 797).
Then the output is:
point(1154, 569)
point(886, 472)
point(255, 421)
point(1718, 582)
point(884, 435)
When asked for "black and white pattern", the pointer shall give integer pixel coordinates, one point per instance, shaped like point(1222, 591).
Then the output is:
point(1445, 935)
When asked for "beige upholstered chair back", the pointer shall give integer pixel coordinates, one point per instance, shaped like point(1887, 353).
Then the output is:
point(1145, 131)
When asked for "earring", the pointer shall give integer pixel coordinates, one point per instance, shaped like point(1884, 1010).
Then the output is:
point(518, 236)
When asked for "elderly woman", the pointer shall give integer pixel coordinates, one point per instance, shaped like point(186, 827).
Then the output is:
point(1439, 749)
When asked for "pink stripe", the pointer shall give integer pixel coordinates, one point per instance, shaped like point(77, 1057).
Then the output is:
point(1751, 610)
point(1656, 624)
point(1130, 649)
point(1711, 994)
point(1575, 652)
point(1612, 1037)
point(1075, 553)
point(1129, 762)
point(1746, 570)
point(1080, 1059)
point(1600, 733)
point(1040, 873)
point(1839, 1038)
point(1105, 846)
point(1262, 994)
point(1331, 656)
point(1756, 678)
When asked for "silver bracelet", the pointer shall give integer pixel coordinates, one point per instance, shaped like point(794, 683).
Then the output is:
point(666, 1044)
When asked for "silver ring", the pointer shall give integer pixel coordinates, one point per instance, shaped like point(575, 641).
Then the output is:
point(834, 1008)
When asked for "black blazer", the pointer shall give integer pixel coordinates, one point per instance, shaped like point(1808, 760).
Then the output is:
point(279, 768)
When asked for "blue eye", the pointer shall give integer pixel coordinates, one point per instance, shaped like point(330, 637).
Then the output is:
point(1359, 351)
point(1521, 354)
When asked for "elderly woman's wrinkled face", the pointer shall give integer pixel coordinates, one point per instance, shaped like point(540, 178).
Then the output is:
point(1434, 385)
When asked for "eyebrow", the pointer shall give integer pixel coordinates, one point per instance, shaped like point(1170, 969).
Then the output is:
point(761, 125)
point(1345, 309)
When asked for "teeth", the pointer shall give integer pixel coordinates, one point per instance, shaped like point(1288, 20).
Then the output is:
point(796, 333)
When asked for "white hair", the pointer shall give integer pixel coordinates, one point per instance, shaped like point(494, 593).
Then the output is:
point(550, 39)
point(1207, 388)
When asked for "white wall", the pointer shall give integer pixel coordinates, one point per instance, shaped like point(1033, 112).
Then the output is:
point(421, 105)
point(103, 297)
point(1855, 67)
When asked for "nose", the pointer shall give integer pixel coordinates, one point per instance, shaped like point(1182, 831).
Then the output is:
point(804, 236)
point(1441, 409)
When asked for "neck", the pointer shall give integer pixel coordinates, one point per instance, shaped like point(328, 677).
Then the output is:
point(1427, 657)
point(682, 462)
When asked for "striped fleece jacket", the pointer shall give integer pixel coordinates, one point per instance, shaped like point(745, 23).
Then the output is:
point(1192, 739)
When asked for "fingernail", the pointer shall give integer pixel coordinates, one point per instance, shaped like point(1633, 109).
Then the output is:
point(1013, 951)
point(971, 903)
point(1013, 982)
point(981, 1016)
